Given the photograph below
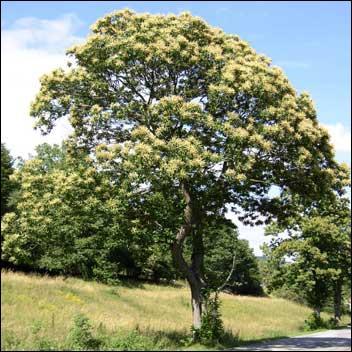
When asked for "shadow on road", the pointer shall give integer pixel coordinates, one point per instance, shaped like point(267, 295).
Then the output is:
point(299, 344)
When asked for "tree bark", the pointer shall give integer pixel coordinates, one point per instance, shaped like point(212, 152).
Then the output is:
point(337, 300)
point(317, 311)
point(197, 270)
point(194, 272)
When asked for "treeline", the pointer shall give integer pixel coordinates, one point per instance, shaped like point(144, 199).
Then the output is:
point(64, 215)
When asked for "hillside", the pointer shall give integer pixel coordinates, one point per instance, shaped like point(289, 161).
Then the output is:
point(38, 312)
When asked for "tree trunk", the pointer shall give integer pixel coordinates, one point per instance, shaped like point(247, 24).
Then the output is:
point(317, 311)
point(196, 305)
point(194, 272)
point(337, 300)
point(197, 270)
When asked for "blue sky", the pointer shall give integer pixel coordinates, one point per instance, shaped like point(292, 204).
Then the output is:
point(311, 41)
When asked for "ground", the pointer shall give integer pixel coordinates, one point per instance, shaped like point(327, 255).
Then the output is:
point(331, 340)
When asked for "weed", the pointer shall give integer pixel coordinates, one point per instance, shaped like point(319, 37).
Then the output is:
point(80, 336)
point(133, 340)
point(9, 341)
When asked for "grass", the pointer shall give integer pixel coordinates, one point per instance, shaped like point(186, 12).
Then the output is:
point(38, 311)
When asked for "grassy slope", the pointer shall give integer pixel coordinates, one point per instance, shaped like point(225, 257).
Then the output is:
point(33, 303)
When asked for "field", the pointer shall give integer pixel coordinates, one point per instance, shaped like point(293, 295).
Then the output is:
point(37, 312)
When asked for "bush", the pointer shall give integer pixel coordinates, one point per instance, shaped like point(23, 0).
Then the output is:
point(132, 341)
point(80, 336)
point(332, 323)
point(314, 322)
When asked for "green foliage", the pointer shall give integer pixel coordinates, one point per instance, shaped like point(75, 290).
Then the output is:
point(314, 322)
point(222, 246)
point(42, 342)
point(133, 341)
point(314, 261)
point(212, 329)
point(171, 97)
point(70, 220)
point(289, 292)
point(94, 235)
point(81, 336)
point(10, 341)
point(7, 185)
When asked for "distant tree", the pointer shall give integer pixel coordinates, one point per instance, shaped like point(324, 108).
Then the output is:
point(319, 253)
point(62, 214)
point(273, 271)
point(175, 107)
point(7, 185)
point(226, 254)
point(73, 219)
point(334, 220)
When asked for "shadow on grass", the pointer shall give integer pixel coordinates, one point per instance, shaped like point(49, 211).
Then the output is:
point(130, 282)
point(121, 280)
point(183, 340)
point(174, 337)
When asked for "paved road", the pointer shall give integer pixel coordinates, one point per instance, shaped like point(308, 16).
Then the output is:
point(332, 340)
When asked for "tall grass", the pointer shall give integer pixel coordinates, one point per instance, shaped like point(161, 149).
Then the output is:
point(39, 310)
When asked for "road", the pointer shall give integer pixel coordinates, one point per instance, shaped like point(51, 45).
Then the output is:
point(331, 340)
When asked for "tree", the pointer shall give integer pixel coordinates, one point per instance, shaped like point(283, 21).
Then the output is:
point(7, 186)
point(175, 107)
point(226, 254)
point(319, 246)
point(62, 215)
point(70, 219)
point(334, 226)
point(273, 270)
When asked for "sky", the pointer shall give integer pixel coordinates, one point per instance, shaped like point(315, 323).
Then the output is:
point(311, 41)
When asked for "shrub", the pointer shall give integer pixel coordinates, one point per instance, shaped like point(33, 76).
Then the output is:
point(132, 341)
point(314, 322)
point(332, 323)
point(80, 336)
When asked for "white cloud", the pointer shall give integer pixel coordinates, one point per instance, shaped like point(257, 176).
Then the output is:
point(30, 48)
point(340, 137)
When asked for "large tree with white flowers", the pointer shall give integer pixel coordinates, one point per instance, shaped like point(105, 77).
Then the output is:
point(174, 107)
